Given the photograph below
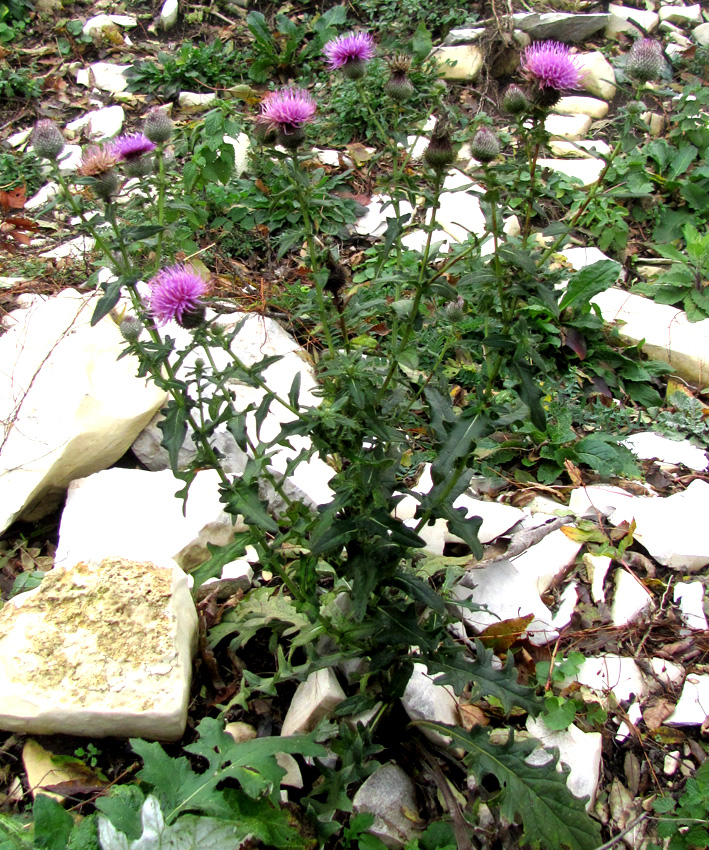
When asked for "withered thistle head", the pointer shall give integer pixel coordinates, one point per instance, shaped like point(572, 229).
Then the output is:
point(96, 160)
point(399, 87)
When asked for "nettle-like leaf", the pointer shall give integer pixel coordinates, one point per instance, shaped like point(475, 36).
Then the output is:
point(551, 815)
point(251, 763)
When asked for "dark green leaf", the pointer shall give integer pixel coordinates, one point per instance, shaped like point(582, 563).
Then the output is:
point(419, 590)
point(106, 303)
point(531, 394)
point(52, 824)
point(220, 557)
point(589, 281)
point(243, 498)
point(174, 430)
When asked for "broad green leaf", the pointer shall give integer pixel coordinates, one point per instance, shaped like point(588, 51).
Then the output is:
point(551, 816)
point(682, 160)
point(589, 281)
point(52, 824)
point(243, 498)
point(174, 430)
point(458, 445)
point(531, 394)
point(106, 303)
point(261, 608)
point(421, 44)
point(122, 808)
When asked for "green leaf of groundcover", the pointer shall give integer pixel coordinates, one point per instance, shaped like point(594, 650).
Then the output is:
point(538, 794)
point(52, 824)
point(589, 281)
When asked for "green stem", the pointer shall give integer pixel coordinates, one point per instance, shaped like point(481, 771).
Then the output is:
point(161, 202)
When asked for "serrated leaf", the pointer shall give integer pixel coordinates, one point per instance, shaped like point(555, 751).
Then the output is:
point(538, 794)
point(262, 607)
point(174, 430)
point(589, 281)
point(242, 498)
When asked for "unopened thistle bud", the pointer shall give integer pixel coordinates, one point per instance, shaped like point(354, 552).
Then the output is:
point(645, 61)
point(105, 185)
point(485, 146)
point(399, 87)
point(455, 310)
point(514, 100)
point(47, 140)
point(439, 154)
point(192, 319)
point(139, 167)
point(131, 328)
point(158, 126)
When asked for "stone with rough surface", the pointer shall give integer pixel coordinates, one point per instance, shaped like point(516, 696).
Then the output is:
point(585, 170)
point(681, 14)
point(648, 445)
point(189, 101)
point(314, 699)
point(105, 123)
point(690, 596)
point(134, 514)
point(693, 706)
point(98, 650)
point(562, 26)
point(701, 35)
point(580, 751)
point(624, 18)
point(389, 795)
point(70, 406)
point(630, 600)
point(423, 699)
point(98, 22)
point(458, 62)
point(548, 559)
point(598, 76)
point(463, 35)
point(582, 149)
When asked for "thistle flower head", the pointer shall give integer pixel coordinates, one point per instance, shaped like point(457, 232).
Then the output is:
point(131, 328)
point(132, 146)
point(158, 126)
point(551, 69)
point(96, 160)
point(455, 310)
point(350, 53)
point(645, 60)
point(288, 111)
point(485, 145)
point(175, 294)
point(47, 139)
point(514, 100)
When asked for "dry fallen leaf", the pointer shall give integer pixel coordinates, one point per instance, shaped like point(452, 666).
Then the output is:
point(472, 715)
point(500, 636)
point(656, 713)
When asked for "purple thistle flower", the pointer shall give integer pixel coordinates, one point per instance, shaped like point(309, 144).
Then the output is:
point(288, 111)
point(550, 67)
point(350, 52)
point(132, 146)
point(175, 294)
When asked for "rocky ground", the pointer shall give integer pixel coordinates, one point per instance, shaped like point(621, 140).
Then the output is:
point(609, 577)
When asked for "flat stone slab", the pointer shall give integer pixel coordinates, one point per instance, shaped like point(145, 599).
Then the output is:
point(99, 650)
point(562, 26)
point(458, 62)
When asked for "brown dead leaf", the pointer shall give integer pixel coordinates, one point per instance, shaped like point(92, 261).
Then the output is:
point(656, 713)
point(500, 636)
point(472, 715)
point(359, 153)
point(14, 199)
point(574, 473)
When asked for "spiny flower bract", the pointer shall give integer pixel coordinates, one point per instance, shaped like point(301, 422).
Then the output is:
point(158, 125)
point(645, 61)
point(549, 65)
point(132, 146)
point(47, 139)
point(176, 291)
point(353, 47)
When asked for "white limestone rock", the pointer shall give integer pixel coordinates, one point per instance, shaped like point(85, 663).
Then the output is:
point(571, 127)
point(194, 102)
point(700, 34)
point(547, 560)
point(463, 35)
point(423, 699)
point(630, 600)
point(681, 14)
point(99, 649)
point(44, 196)
point(581, 751)
point(389, 795)
point(241, 147)
point(613, 673)
point(582, 149)
point(459, 213)
point(507, 593)
point(690, 596)
point(70, 406)
point(134, 514)
point(585, 170)
point(577, 105)
point(69, 158)
point(106, 123)
point(16, 140)
point(579, 258)
point(598, 76)
point(104, 76)
point(168, 14)
point(589, 502)
point(458, 62)
point(313, 700)
point(597, 567)
point(98, 22)
point(236, 576)
point(672, 528)
point(667, 332)
point(293, 777)
point(379, 210)
point(648, 445)
point(75, 249)
point(623, 18)
point(692, 708)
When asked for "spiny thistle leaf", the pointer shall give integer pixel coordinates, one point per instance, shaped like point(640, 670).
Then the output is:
point(550, 814)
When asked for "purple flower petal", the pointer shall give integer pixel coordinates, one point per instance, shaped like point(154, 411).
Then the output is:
point(288, 109)
point(132, 146)
point(548, 64)
point(175, 291)
point(353, 47)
